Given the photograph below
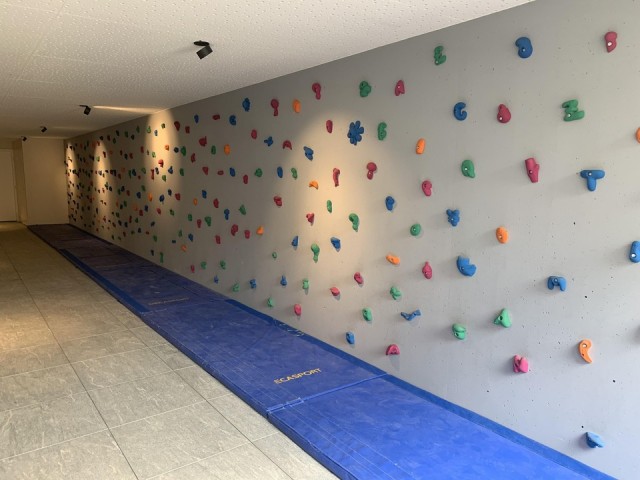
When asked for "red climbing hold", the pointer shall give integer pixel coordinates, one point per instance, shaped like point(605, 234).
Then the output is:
point(205, 169)
point(161, 163)
point(203, 142)
point(358, 278)
point(329, 126)
point(177, 125)
point(199, 223)
point(234, 229)
point(286, 144)
point(245, 179)
point(335, 291)
point(427, 271)
point(275, 104)
point(317, 89)
point(216, 202)
point(187, 129)
point(193, 158)
point(247, 234)
point(310, 218)
point(216, 116)
point(220, 172)
point(399, 90)
point(193, 268)
point(371, 169)
point(218, 240)
point(504, 115)
point(393, 349)
point(278, 200)
point(426, 187)
point(177, 195)
point(336, 177)
point(254, 134)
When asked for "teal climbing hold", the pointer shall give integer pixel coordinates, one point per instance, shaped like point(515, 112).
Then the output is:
point(459, 331)
point(242, 210)
point(395, 293)
point(274, 255)
point(305, 284)
point(355, 221)
point(468, 169)
point(571, 111)
point(382, 131)
point(366, 314)
point(438, 57)
point(415, 229)
point(294, 173)
point(258, 172)
point(316, 252)
point(329, 206)
point(271, 302)
point(365, 89)
point(223, 265)
point(503, 319)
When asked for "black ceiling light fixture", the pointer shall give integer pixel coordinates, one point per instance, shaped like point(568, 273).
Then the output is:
point(205, 50)
point(87, 109)
point(43, 128)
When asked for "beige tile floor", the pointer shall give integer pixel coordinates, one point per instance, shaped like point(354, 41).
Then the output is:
point(89, 392)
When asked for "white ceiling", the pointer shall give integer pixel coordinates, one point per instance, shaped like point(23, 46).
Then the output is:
point(139, 54)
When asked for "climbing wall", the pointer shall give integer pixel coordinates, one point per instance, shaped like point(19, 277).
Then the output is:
point(458, 209)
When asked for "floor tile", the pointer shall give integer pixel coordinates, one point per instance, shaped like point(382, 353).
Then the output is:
point(133, 401)
point(123, 367)
point(250, 423)
point(172, 356)
point(38, 386)
point(202, 382)
point(124, 315)
point(72, 326)
point(165, 442)
point(93, 457)
point(28, 359)
point(101, 345)
point(294, 461)
point(47, 423)
point(148, 336)
point(14, 336)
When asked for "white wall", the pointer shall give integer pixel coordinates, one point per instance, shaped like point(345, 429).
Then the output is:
point(557, 226)
point(21, 187)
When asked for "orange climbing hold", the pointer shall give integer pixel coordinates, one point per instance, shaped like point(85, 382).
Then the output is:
point(195, 201)
point(420, 146)
point(183, 248)
point(260, 230)
point(150, 197)
point(313, 184)
point(393, 259)
point(296, 106)
point(502, 235)
point(227, 149)
point(638, 135)
point(583, 349)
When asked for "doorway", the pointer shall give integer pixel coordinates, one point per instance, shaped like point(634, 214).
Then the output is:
point(8, 210)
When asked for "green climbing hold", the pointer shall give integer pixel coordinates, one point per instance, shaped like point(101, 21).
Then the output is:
point(182, 172)
point(148, 129)
point(161, 257)
point(395, 293)
point(305, 284)
point(459, 331)
point(274, 255)
point(164, 178)
point(242, 210)
point(190, 217)
point(236, 287)
point(382, 131)
point(294, 173)
point(153, 154)
point(365, 89)
point(203, 265)
point(258, 172)
point(223, 264)
point(355, 221)
point(366, 314)
point(155, 237)
point(171, 212)
point(438, 57)
point(179, 233)
point(183, 151)
point(415, 229)
point(138, 129)
point(571, 111)
point(213, 149)
point(207, 220)
point(163, 125)
point(329, 206)
point(316, 251)
point(143, 170)
point(503, 319)
point(468, 169)
point(271, 302)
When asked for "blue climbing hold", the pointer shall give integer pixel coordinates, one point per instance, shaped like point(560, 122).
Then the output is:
point(204, 194)
point(190, 237)
point(232, 172)
point(351, 338)
point(525, 49)
point(246, 104)
point(458, 111)
point(592, 176)
point(226, 214)
point(216, 279)
point(268, 141)
point(280, 172)
point(176, 149)
point(252, 283)
point(283, 281)
point(308, 152)
point(196, 118)
point(390, 202)
point(634, 254)
point(169, 192)
point(412, 315)
point(335, 241)
point(138, 194)
point(170, 169)
point(294, 242)
point(355, 132)
point(594, 440)
point(233, 120)
point(155, 132)
point(161, 198)
point(559, 282)
point(465, 267)
point(453, 216)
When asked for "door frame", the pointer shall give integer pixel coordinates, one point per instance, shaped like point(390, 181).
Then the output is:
point(15, 186)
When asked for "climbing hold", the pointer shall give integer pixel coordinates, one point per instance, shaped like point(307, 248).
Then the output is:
point(223, 265)
point(218, 239)
point(258, 172)
point(316, 252)
point(355, 133)
point(532, 168)
point(216, 202)
point(502, 235)
point(336, 177)
point(571, 111)
point(459, 112)
point(268, 141)
point(559, 282)
point(271, 302)
point(329, 126)
point(313, 184)
point(504, 115)
point(294, 173)
point(366, 314)
point(233, 120)
point(252, 283)
point(465, 267)
point(317, 89)
point(634, 253)
point(294, 242)
point(427, 271)
point(335, 291)
point(610, 40)
point(296, 105)
point(234, 229)
point(468, 169)
point(520, 364)
point(453, 217)
point(365, 89)
point(358, 278)
point(420, 146)
point(260, 230)
point(393, 349)
point(583, 349)
point(390, 203)
point(355, 221)
point(247, 234)
point(254, 134)
point(205, 170)
point(351, 338)
point(459, 331)
point(177, 125)
point(236, 287)
point(310, 217)
point(415, 229)
point(371, 169)
point(503, 319)
point(283, 281)
point(399, 90)
point(592, 176)
point(594, 440)
point(226, 213)
point(227, 149)
point(525, 49)
point(297, 309)
point(278, 200)
point(411, 316)
point(395, 293)
point(275, 104)
point(216, 116)
point(438, 57)
point(426, 187)
point(308, 152)
point(274, 255)
point(203, 141)
point(246, 104)
point(279, 172)
point(305, 284)
point(245, 179)
point(382, 131)
point(335, 241)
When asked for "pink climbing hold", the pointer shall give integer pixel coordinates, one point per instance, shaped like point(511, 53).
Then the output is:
point(336, 177)
point(329, 126)
point(399, 90)
point(216, 202)
point(310, 218)
point(426, 187)
point(427, 271)
point(205, 169)
point(371, 169)
point(234, 229)
point(203, 141)
point(216, 116)
point(297, 309)
point(278, 200)
point(254, 134)
point(247, 234)
point(520, 364)
point(393, 349)
point(275, 104)
point(358, 278)
point(504, 115)
point(177, 125)
point(218, 239)
point(610, 39)
point(286, 144)
point(245, 179)
point(532, 169)
point(335, 291)
point(317, 89)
